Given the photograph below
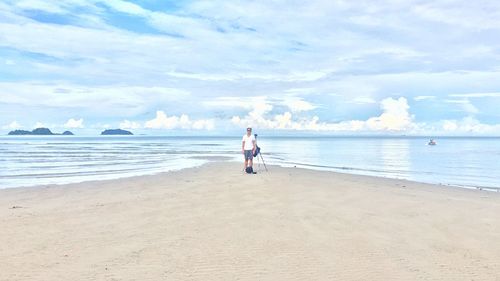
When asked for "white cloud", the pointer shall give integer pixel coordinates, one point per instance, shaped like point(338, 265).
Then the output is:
point(270, 49)
point(203, 124)
point(39, 125)
point(363, 100)
point(256, 116)
point(300, 91)
point(259, 105)
point(237, 102)
point(477, 95)
point(126, 124)
point(162, 121)
point(470, 108)
point(298, 105)
point(420, 98)
point(126, 7)
point(465, 14)
point(74, 123)
point(395, 117)
point(466, 105)
point(98, 100)
point(44, 6)
point(287, 77)
point(450, 125)
point(470, 125)
point(12, 126)
point(101, 126)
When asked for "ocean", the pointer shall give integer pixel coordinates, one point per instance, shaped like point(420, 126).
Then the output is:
point(457, 161)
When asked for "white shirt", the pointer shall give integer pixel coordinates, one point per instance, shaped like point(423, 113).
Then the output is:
point(248, 142)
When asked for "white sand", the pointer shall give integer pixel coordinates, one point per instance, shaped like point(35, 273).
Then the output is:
point(216, 223)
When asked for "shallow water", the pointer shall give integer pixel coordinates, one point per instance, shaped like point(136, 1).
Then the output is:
point(34, 160)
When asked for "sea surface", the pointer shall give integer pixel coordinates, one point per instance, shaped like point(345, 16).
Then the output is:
point(40, 160)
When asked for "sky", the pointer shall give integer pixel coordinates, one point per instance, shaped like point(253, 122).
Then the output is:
point(214, 67)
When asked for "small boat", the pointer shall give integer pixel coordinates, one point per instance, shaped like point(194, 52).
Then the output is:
point(432, 142)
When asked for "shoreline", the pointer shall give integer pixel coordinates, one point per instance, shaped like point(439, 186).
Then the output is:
point(226, 159)
point(47, 161)
point(216, 223)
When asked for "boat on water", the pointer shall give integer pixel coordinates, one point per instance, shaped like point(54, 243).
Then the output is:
point(432, 142)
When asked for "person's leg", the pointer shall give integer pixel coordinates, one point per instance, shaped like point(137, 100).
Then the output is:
point(245, 154)
point(250, 158)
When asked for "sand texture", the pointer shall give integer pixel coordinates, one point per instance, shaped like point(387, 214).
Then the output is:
point(216, 223)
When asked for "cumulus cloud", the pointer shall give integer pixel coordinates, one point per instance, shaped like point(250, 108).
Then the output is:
point(126, 124)
point(450, 125)
point(299, 105)
point(203, 124)
point(165, 122)
point(162, 121)
point(74, 123)
point(395, 117)
point(261, 48)
point(470, 125)
point(12, 126)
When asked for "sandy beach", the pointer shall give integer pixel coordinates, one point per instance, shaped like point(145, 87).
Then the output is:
point(216, 223)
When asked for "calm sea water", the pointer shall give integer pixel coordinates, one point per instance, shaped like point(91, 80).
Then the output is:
point(30, 160)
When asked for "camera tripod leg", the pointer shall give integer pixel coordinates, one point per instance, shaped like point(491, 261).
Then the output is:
point(263, 161)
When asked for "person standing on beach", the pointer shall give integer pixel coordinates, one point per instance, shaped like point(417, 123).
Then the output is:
point(248, 147)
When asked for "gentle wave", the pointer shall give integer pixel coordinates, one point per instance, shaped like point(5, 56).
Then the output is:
point(55, 160)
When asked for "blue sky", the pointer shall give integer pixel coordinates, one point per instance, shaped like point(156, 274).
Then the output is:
point(215, 67)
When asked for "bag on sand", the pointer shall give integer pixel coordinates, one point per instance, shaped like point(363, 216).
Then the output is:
point(249, 170)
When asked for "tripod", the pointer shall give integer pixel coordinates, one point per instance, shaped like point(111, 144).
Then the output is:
point(260, 154)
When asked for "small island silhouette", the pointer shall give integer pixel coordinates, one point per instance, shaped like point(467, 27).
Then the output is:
point(38, 132)
point(116, 132)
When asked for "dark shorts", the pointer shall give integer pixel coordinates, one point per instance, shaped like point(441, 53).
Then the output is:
point(248, 154)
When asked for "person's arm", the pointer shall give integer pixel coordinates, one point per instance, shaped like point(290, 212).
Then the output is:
point(254, 142)
point(243, 146)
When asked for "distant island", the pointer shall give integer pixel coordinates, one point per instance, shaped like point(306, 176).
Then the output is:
point(116, 132)
point(38, 132)
point(48, 132)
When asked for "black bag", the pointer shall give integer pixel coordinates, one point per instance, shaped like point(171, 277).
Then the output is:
point(257, 151)
point(249, 170)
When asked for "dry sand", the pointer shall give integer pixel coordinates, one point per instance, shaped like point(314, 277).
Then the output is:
point(215, 223)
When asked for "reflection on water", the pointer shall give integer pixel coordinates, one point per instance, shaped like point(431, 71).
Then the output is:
point(395, 157)
point(57, 159)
